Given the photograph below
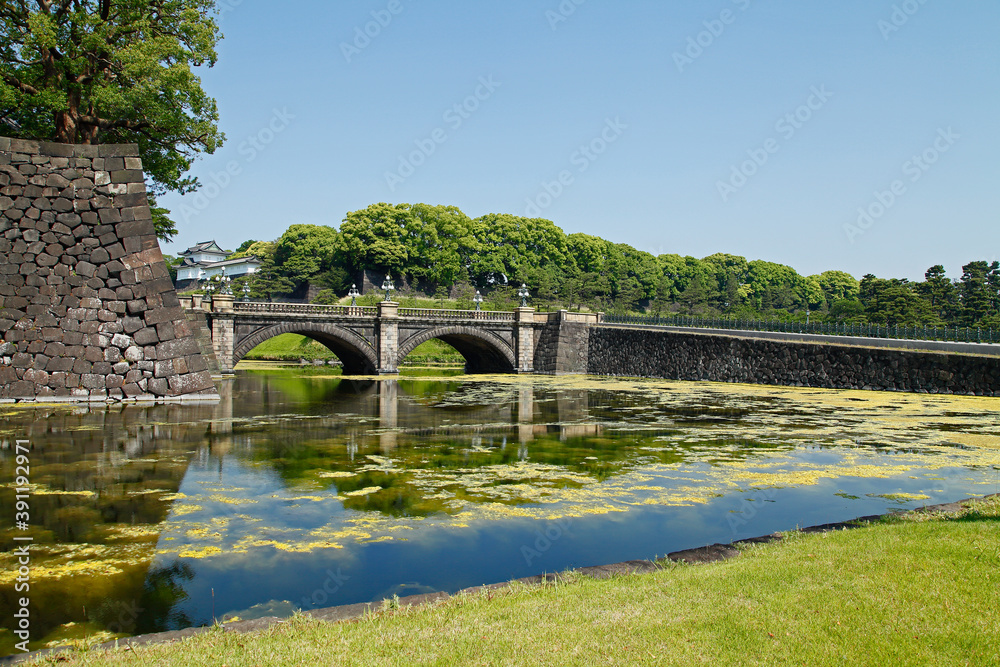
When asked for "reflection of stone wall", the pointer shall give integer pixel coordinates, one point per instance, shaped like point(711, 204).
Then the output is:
point(87, 307)
point(682, 356)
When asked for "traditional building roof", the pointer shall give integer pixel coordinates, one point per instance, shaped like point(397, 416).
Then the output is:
point(210, 247)
point(249, 259)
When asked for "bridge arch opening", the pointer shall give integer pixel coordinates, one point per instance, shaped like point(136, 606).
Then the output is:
point(483, 351)
point(356, 354)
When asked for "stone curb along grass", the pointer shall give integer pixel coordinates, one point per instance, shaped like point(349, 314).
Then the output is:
point(702, 555)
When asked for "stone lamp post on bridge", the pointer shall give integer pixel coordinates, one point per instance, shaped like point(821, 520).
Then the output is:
point(388, 331)
point(387, 286)
point(524, 293)
point(525, 318)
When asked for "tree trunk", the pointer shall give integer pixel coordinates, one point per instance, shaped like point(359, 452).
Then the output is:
point(69, 129)
point(65, 127)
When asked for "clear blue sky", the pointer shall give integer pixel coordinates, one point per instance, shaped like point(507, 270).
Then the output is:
point(665, 121)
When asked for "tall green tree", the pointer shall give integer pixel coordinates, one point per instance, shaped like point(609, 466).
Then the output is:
point(114, 71)
point(270, 279)
point(974, 292)
point(440, 243)
point(993, 286)
point(837, 286)
point(512, 248)
point(894, 301)
point(940, 291)
point(677, 271)
point(305, 252)
point(375, 238)
point(776, 286)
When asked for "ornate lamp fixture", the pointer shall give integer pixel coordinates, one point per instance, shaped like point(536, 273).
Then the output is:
point(478, 299)
point(524, 294)
point(387, 286)
point(354, 294)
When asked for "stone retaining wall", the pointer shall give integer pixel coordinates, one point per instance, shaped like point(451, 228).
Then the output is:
point(561, 347)
point(87, 307)
point(685, 356)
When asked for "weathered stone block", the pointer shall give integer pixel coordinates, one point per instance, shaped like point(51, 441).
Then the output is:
point(146, 336)
point(126, 176)
point(136, 306)
point(158, 315)
point(118, 150)
point(165, 331)
point(158, 387)
point(60, 364)
point(85, 269)
point(191, 383)
point(176, 348)
point(196, 363)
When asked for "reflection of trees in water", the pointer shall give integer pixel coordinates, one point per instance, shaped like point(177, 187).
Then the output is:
point(102, 473)
point(451, 426)
point(162, 591)
point(97, 466)
point(275, 387)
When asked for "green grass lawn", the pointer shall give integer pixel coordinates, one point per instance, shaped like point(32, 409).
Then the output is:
point(917, 590)
point(289, 347)
point(292, 347)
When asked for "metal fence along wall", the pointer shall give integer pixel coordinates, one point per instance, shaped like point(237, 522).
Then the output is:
point(956, 334)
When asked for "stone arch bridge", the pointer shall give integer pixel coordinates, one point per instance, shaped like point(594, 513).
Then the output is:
point(375, 340)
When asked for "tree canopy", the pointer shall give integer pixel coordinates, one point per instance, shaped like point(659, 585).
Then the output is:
point(439, 247)
point(113, 71)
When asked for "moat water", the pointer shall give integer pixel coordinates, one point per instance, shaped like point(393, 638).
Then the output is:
point(304, 489)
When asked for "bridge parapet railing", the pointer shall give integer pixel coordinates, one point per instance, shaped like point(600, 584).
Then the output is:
point(899, 332)
point(566, 316)
point(267, 308)
point(483, 315)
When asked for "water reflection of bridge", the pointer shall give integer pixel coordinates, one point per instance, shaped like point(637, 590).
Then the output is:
point(398, 413)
